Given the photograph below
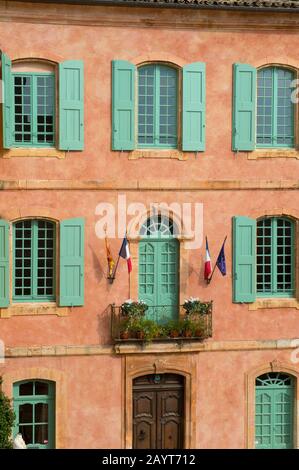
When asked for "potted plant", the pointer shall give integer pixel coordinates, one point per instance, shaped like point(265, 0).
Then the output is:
point(124, 329)
point(145, 329)
point(193, 305)
point(134, 308)
point(173, 328)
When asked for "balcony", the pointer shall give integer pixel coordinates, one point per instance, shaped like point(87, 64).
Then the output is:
point(156, 326)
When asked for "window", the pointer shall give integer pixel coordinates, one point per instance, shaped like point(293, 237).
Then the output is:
point(30, 112)
point(263, 112)
point(157, 106)
point(34, 109)
point(151, 119)
point(33, 269)
point(263, 258)
point(275, 110)
point(34, 260)
point(275, 257)
point(34, 406)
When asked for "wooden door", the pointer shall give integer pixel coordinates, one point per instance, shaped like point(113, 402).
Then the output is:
point(158, 412)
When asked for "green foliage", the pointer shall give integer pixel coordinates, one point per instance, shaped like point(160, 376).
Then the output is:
point(7, 417)
point(194, 306)
point(134, 309)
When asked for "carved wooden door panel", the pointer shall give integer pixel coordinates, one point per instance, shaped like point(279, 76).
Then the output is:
point(158, 412)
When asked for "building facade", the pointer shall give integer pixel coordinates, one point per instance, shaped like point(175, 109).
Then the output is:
point(114, 112)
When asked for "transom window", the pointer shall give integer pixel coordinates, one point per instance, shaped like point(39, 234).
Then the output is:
point(34, 109)
point(34, 260)
point(157, 106)
point(34, 406)
point(275, 257)
point(275, 110)
point(159, 226)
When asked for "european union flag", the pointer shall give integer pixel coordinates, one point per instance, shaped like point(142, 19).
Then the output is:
point(220, 263)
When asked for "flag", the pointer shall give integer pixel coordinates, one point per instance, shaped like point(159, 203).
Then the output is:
point(124, 252)
point(110, 260)
point(220, 263)
point(208, 263)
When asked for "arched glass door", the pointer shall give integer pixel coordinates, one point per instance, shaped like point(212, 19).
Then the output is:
point(274, 410)
point(34, 406)
point(159, 268)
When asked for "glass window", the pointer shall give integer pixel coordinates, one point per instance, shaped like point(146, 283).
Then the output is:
point(275, 257)
point(157, 106)
point(34, 260)
point(34, 406)
point(34, 109)
point(275, 110)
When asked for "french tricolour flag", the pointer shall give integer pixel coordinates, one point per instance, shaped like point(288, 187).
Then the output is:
point(208, 263)
point(125, 253)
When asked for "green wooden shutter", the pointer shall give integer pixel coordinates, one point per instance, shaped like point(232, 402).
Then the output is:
point(4, 263)
point(244, 259)
point(194, 107)
point(7, 104)
point(123, 105)
point(71, 105)
point(72, 262)
point(244, 107)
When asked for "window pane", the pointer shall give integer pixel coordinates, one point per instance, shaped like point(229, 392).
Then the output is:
point(146, 79)
point(34, 253)
point(264, 106)
point(41, 413)
point(263, 261)
point(168, 106)
point(23, 109)
point(285, 128)
point(26, 389)
point(41, 388)
point(41, 434)
point(27, 433)
point(26, 413)
point(45, 109)
point(22, 262)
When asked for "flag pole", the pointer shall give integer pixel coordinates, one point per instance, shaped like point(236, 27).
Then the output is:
point(210, 278)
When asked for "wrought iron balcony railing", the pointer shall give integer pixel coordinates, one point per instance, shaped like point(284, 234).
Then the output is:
point(161, 323)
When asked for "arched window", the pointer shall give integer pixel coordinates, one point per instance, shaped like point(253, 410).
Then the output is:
point(274, 411)
point(34, 406)
point(34, 260)
point(33, 110)
point(275, 110)
point(157, 106)
point(275, 257)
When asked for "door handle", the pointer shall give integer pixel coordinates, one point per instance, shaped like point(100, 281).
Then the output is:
point(141, 435)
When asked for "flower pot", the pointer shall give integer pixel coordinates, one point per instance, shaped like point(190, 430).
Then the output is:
point(198, 333)
point(124, 335)
point(140, 335)
point(174, 334)
point(188, 333)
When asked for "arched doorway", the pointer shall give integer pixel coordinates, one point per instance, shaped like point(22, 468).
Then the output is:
point(274, 411)
point(158, 411)
point(158, 282)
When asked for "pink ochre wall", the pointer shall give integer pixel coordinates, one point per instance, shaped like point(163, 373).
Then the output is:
point(93, 386)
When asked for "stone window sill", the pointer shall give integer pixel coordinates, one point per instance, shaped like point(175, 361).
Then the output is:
point(274, 303)
point(34, 309)
point(158, 153)
point(273, 153)
point(33, 152)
